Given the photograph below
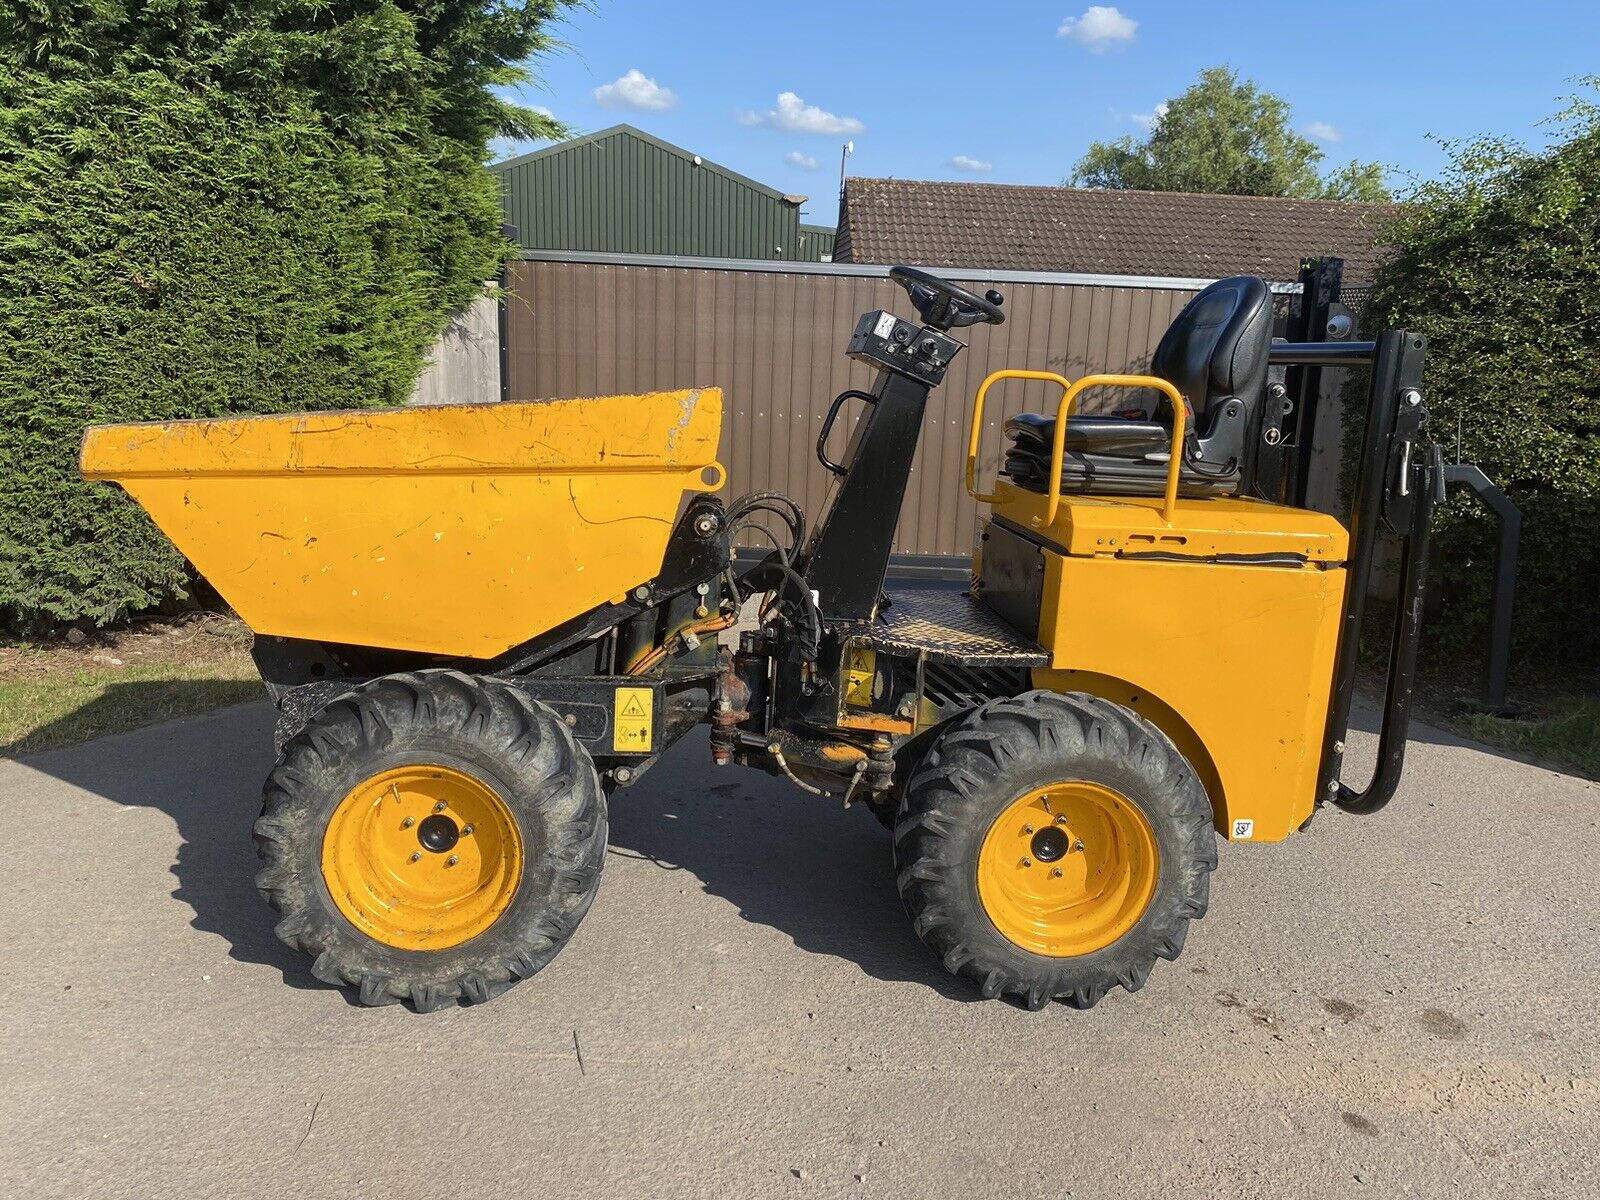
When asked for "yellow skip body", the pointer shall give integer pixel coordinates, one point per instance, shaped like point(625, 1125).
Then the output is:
point(461, 531)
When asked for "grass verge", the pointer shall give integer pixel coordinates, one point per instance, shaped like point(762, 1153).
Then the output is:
point(60, 694)
point(1568, 736)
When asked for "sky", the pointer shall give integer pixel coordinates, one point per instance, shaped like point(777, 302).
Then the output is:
point(1015, 92)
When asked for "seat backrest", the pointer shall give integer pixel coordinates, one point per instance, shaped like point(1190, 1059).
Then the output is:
point(1215, 353)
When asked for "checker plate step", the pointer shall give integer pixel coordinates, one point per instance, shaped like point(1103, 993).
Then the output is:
point(947, 626)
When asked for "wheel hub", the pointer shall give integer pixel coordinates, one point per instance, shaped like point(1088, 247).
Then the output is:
point(438, 833)
point(1049, 844)
point(422, 857)
point(1067, 869)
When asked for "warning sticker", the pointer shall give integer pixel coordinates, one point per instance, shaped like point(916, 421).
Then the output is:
point(633, 720)
point(859, 676)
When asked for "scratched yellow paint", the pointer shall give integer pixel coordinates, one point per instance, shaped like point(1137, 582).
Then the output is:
point(1233, 661)
point(1199, 527)
point(459, 530)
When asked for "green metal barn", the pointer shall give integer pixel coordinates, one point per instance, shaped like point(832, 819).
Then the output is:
point(622, 191)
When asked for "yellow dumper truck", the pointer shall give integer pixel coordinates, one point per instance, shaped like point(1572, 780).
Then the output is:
point(482, 624)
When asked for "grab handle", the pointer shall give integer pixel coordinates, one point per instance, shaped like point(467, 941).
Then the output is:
point(977, 420)
point(827, 427)
point(1174, 457)
point(1069, 395)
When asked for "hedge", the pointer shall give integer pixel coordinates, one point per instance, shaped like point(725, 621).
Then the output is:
point(272, 209)
point(1498, 263)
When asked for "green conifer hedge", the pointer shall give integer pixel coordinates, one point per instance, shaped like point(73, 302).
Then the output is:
point(1498, 263)
point(237, 207)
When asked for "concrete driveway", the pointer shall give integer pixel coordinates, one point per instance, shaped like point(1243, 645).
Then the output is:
point(1390, 1005)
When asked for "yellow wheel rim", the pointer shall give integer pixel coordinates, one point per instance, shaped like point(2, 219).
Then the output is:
point(422, 857)
point(1068, 869)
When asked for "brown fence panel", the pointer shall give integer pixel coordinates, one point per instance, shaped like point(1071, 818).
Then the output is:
point(773, 339)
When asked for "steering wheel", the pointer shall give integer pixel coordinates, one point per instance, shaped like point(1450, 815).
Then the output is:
point(946, 305)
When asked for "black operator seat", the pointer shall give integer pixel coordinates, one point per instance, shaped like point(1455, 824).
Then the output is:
point(1215, 354)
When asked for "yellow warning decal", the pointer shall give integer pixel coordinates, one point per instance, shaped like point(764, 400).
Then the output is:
point(861, 672)
point(633, 720)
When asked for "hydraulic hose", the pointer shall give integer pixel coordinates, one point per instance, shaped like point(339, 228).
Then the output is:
point(699, 628)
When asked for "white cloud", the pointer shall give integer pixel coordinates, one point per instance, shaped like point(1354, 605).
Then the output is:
point(804, 161)
point(542, 111)
point(636, 90)
point(1099, 27)
point(1324, 131)
point(962, 162)
point(1147, 121)
point(794, 115)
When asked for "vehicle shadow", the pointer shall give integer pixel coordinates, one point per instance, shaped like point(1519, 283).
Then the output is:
point(140, 703)
point(798, 863)
point(205, 773)
point(784, 859)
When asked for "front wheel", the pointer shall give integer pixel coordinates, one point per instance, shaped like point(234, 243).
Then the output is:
point(1054, 845)
point(431, 837)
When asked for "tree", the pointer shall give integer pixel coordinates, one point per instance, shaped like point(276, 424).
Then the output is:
point(245, 206)
point(1227, 136)
point(1495, 263)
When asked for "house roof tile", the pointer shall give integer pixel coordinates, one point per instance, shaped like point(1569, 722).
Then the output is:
point(1095, 231)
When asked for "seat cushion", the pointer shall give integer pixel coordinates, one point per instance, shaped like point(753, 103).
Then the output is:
point(1110, 456)
point(1108, 475)
point(1215, 353)
point(1035, 432)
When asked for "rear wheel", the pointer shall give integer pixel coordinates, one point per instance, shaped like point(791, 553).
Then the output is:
point(1054, 845)
point(431, 837)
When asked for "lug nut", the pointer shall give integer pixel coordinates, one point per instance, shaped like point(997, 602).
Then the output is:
point(1027, 862)
point(416, 856)
point(408, 823)
point(1061, 820)
point(1027, 829)
point(439, 807)
point(452, 860)
point(1056, 872)
point(466, 830)
point(1078, 846)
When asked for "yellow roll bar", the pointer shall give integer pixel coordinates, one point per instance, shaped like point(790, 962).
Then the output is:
point(1069, 394)
point(977, 420)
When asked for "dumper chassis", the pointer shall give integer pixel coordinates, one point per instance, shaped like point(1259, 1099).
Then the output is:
point(482, 625)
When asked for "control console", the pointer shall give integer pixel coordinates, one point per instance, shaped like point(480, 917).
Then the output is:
point(904, 347)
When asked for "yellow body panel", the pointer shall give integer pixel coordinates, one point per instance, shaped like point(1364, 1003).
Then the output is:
point(1198, 528)
point(461, 531)
point(1234, 661)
